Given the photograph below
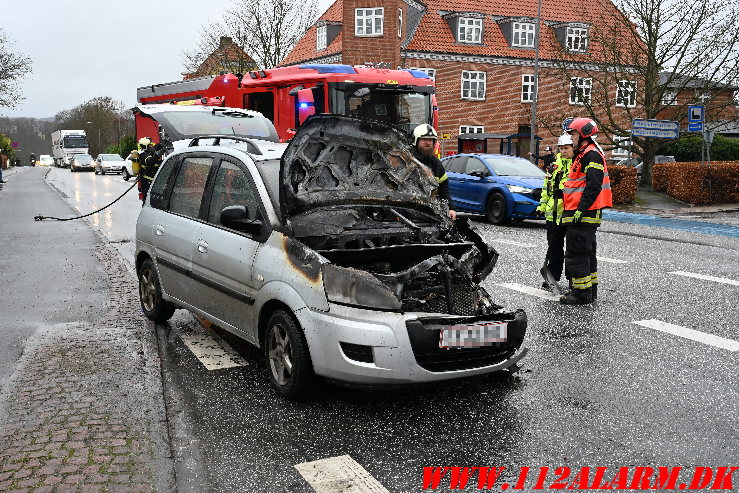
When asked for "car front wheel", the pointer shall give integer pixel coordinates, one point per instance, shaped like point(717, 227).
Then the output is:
point(125, 174)
point(496, 209)
point(150, 294)
point(288, 361)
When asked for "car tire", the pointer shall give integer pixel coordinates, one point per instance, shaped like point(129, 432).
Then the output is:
point(125, 174)
point(102, 172)
point(150, 294)
point(289, 366)
point(496, 209)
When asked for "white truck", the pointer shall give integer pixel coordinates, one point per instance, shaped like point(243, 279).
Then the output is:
point(65, 144)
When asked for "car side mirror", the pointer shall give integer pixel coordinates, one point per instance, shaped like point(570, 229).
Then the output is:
point(478, 174)
point(237, 217)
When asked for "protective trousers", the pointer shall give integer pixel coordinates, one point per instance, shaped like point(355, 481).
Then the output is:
point(580, 260)
point(556, 248)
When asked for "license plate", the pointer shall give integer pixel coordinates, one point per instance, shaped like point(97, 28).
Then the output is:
point(473, 335)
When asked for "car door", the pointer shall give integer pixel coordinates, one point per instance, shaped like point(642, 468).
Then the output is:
point(454, 167)
point(475, 187)
point(174, 228)
point(222, 257)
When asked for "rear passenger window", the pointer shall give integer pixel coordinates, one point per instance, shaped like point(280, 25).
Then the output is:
point(474, 164)
point(187, 192)
point(232, 187)
point(160, 184)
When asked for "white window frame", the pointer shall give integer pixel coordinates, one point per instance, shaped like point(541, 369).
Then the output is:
point(471, 129)
point(618, 151)
point(321, 38)
point(577, 39)
point(626, 93)
point(475, 79)
point(527, 88)
point(400, 22)
point(669, 97)
point(469, 30)
point(703, 96)
point(585, 84)
point(431, 72)
point(375, 16)
point(523, 34)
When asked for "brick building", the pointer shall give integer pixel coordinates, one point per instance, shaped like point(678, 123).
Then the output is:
point(481, 55)
point(228, 57)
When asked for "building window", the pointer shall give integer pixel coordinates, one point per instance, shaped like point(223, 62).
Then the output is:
point(577, 39)
point(473, 85)
point(580, 88)
point(321, 38)
point(523, 34)
point(626, 93)
point(669, 98)
point(703, 97)
point(469, 30)
point(400, 23)
point(431, 72)
point(368, 22)
point(621, 146)
point(471, 129)
point(527, 88)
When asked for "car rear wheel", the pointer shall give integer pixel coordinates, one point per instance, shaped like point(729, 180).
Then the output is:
point(496, 209)
point(150, 294)
point(288, 361)
point(125, 174)
point(102, 172)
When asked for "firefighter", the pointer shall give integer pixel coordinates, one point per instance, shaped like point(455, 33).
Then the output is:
point(149, 160)
point(548, 158)
point(551, 206)
point(586, 192)
point(424, 143)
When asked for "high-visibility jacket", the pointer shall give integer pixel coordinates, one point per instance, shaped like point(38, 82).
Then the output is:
point(588, 187)
point(551, 202)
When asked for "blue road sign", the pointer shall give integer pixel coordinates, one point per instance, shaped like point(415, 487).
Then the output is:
point(696, 117)
point(663, 129)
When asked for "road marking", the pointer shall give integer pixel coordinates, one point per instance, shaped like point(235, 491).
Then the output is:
point(541, 293)
point(340, 474)
point(705, 277)
point(691, 334)
point(509, 242)
point(212, 351)
point(612, 260)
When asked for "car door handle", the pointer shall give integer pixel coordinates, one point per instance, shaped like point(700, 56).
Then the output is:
point(202, 246)
point(159, 230)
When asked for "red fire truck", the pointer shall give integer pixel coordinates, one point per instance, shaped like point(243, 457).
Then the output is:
point(288, 95)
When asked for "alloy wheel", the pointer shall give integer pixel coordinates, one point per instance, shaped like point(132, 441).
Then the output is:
point(280, 354)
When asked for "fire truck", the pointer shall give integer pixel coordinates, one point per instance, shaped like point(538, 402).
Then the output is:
point(289, 95)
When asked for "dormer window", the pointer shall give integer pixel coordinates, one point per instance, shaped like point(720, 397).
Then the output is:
point(523, 34)
point(469, 30)
point(577, 40)
point(368, 22)
point(321, 37)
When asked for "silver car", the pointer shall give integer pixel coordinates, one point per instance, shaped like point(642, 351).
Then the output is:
point(108, 163)
point(80, 162)
point(332, 254)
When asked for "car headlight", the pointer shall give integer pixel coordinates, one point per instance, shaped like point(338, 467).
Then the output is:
point(517, 189)
point(357, 288)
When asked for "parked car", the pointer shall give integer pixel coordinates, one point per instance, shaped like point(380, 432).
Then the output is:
point(664, 159)
point(108, 163)
point(331, 253)
point(46, 160)
point(81, 162)
point(500, 186)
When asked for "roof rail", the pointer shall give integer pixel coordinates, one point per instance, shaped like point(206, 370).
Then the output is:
point(251, 145)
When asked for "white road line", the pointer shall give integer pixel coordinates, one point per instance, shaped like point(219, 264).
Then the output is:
point(340, 474)
point(691, 334)
point(212, 351)
point(541, 293)
point(705, 277)
point(612, 260)
point(509, 242)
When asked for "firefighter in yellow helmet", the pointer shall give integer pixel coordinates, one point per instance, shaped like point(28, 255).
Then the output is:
point(150, 157)
point(424, 141)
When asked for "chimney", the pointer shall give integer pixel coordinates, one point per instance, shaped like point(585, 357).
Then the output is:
point(225, 41)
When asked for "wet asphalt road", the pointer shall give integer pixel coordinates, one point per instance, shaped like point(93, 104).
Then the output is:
point(595, 389)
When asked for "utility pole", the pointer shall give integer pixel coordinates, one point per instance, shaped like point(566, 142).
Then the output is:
point(532, 142)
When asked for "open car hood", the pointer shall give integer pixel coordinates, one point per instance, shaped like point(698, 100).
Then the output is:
point(338, 160)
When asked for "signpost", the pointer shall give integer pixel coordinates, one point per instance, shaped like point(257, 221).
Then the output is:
point(696, 117)
point(663, 129)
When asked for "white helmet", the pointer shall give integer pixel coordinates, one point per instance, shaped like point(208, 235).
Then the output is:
point(564, 140)
point(424, 131)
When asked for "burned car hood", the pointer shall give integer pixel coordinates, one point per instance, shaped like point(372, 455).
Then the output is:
point(338, 160)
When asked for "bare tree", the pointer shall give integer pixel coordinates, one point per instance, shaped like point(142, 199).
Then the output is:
point(13, 67)
point(103, 119)
point(265, 29)
point(662, 55)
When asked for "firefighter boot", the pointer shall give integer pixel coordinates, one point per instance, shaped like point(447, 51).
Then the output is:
point(594, 291)
point(577, 297)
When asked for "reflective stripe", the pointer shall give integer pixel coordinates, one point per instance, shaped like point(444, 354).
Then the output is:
point(594, 165)
point(442, 178)
point(592, 220)
point(605, 186)
point(594, 277)
point(572, 190)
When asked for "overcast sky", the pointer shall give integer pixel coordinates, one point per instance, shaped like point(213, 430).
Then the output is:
point(87, 48)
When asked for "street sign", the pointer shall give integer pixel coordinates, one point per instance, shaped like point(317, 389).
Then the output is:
point(708, 136)
point(446, 136)
point(663, 129)
point(696, 115)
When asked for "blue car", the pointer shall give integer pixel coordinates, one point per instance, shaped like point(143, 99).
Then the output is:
point(500, 186)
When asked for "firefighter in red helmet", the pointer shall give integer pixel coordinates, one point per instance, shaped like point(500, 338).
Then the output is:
point(587, 192)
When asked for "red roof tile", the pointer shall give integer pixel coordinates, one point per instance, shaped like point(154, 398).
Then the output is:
point(306, 47)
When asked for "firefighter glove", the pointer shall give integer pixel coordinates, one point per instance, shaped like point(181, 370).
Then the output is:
point(577, 217)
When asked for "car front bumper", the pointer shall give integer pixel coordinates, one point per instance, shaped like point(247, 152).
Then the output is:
point(399, 348)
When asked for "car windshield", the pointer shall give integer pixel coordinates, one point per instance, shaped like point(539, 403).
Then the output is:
point(75, 142)
point(111, 157)
point(513, 166)
point(83, 158)
point(218, 121)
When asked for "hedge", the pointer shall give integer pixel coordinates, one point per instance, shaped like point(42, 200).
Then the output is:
point(623, 183)
point(697, 183)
